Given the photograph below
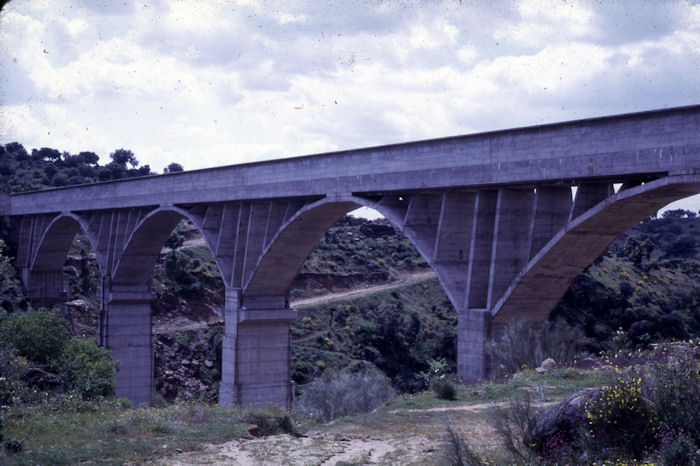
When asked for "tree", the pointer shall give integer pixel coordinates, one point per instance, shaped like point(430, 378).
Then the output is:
point(88, 158)
point(121, 157)
point(46, 153)
point(637, 251)
point(17, 150)
point(173, 168)
point(37, 335)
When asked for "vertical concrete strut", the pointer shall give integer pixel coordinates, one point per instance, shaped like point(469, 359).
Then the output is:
point(588, 195)
point(552, 208)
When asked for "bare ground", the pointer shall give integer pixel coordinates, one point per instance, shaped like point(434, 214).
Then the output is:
point(406, 437)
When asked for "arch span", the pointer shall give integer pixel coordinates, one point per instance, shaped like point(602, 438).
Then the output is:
point(548, 275)
point(44, 274)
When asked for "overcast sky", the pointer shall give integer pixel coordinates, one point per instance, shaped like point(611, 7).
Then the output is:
point(207, 83)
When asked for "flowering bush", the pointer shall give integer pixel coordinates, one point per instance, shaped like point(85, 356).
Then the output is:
point(650, 413)
point(621, 422)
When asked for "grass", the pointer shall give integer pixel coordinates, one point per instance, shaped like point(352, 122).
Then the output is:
point(107, 433)
point(111, 435)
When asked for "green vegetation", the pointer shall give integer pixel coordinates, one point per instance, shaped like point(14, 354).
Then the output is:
point(110, 432)
point(37, 352)
point(39, 336)
point(352, 352)
point(50, 168)
point(338, 395)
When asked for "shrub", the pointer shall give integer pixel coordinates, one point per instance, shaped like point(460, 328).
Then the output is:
point(682, 450)
point(674, 388)
point(457, 451)
point(511, 424)
point(528, 344)
point(444, 389)
point(340, 395)
point(621, 422)
point(37, 335)
point(269, 421)
point(88, 368)
point(13, 445)
point(439, 380)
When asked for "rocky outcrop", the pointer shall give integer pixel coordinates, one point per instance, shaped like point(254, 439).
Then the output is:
point(559, 424)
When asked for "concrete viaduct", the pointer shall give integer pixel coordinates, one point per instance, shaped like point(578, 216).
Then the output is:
point(492, 213)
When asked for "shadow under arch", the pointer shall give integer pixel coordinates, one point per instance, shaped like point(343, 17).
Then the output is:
point(45, 281)
point(142, 248)
point(549, 274)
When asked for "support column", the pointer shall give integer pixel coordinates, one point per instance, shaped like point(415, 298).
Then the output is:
point(128, 336)
point(473, 331)
point(256, 351)
point(45, 287)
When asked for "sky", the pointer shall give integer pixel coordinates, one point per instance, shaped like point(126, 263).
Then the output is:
point(209, 83)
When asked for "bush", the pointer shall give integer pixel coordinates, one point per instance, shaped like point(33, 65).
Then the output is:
point(13, 445)
point(511, 424)
point(621, 422)
point(340, 395)
point(444, 389)
point(674, 388)
point(651, 413)
point(88, 368)
point(38, 335)
point(527, 344)
point(439, 379)
point(269, 421)
point(457, 451)
point(682, 450)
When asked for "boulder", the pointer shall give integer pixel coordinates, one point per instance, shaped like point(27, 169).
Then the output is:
point(565, 419)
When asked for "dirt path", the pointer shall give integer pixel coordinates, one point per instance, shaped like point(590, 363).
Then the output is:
point(402, 436)
point(404, 280)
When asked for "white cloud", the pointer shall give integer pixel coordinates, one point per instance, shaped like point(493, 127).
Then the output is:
point(205, 83)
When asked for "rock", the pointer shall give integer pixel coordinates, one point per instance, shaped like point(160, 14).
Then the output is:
point(548, 363)
point(185, 362)
point(587, 363)
point(376, 230)
point(42, 379)
point(208, 363)
point(564, 419)
point(254, 430)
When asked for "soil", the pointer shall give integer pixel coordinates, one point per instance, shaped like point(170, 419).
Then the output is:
point(410, 437)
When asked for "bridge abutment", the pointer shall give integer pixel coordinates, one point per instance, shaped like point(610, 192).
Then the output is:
point(256, 351)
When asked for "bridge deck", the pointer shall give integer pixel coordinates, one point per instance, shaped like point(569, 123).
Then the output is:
point(635, 145)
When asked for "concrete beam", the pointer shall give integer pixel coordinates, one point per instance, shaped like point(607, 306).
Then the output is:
point(629, 146)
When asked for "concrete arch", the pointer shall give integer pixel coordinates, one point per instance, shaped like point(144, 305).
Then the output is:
point(549, 274)
point(44, 276)
point(296, 238)
point(291, 245)
point(56, 240)
point(142, 248)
